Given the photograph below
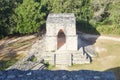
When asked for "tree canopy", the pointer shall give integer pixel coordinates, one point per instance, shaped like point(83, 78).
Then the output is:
point(27, 16)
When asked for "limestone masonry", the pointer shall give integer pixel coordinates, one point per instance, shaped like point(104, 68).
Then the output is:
point(62, 45)
point(55, 75)
point(56, 25)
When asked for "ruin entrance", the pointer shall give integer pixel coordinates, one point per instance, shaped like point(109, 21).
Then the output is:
point(60, 32)
point(61, 39)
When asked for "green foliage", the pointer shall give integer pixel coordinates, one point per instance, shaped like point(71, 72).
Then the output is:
point(86, 27)
point(33, 59)
point(29, 17)
point(6, 11)
point(64, 6)
point(111, 23)
point(46, 64)
point(81, 8)
point(115, 13)
point(49, 66)
point(5, 64)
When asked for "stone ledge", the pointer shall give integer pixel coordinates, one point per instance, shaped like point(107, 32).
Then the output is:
point(55, 75)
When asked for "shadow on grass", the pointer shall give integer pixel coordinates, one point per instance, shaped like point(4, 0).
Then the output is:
point(86, 39)
point(84, 28)
point(5, 64)
point(8, 59)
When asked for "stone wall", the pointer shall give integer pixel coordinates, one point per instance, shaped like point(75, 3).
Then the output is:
point(55, 75)
point(71, 43)
point(64, 22)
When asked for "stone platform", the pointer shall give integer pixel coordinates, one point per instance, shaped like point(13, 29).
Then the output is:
point(65, 57)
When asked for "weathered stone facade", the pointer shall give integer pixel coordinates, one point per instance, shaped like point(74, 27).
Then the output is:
point(61, 41)
point(64, 23)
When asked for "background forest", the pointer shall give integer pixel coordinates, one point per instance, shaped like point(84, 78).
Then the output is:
point(27, 16)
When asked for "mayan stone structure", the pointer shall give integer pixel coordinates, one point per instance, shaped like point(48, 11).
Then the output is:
point(61, 41)
point(61, 32)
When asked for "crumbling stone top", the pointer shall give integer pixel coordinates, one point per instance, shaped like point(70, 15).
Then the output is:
point(55, 75)
point(61, 18)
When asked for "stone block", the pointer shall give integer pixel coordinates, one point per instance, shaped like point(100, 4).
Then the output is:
point(72, 43)
point(51, 43)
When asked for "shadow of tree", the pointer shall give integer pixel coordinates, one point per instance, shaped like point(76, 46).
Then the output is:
point(8, 59)
point(86, 27)
point(116, 71)
point(88, 56)
point(2, 46)
point(86, 39)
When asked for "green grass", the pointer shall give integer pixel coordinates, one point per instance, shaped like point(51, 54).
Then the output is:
point(108, 59)
point(33, 59)
point(49, 66)
point(5, 64)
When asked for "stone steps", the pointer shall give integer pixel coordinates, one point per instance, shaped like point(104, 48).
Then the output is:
point(80, 59)
point(39, 66)
point(66, 58)
point(63, 59)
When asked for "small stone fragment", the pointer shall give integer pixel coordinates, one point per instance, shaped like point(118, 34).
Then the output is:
point(1, 73)
point(11, 76)
point(96, 77)
point(20, 75)
point(2, 77)
point(28, 74)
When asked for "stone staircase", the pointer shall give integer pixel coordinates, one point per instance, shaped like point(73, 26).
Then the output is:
point(66, 58)
point(80, 58)
point(63, 59)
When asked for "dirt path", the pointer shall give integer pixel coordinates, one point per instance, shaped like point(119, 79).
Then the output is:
point(87, 36)
point(12, 40)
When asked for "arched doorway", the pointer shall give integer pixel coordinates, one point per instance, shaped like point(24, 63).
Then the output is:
point(61, 39)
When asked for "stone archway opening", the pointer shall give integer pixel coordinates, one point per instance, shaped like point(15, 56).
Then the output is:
point(61, 39)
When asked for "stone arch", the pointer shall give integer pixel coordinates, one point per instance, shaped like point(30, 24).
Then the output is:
point(61, 38)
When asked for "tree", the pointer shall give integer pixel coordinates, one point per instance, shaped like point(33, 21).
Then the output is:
point(81, 8)
point(6, 11)
point(29, 16)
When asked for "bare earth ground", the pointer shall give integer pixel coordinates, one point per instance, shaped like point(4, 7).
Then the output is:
point(15, 48)
point(108, 49)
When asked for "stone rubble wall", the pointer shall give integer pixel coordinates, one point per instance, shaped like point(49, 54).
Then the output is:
point(24, 64)
point(55, 75)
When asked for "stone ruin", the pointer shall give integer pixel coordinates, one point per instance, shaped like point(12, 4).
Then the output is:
point(60, 32)
point(60, 46)
point(61, 41)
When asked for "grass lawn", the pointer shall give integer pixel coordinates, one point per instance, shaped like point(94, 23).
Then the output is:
point(108, 58)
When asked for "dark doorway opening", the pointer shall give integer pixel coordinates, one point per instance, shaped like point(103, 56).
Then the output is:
point(61, 39)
